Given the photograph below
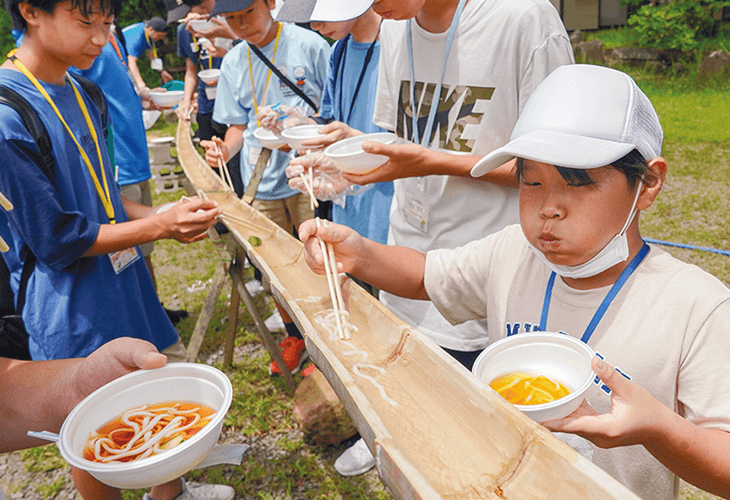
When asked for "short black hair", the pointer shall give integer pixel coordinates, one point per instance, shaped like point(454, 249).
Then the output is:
point(48, 6)
point(633, 166)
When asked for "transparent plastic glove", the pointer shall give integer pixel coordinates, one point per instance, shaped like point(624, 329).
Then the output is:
point(326, 180)
point(280, 117)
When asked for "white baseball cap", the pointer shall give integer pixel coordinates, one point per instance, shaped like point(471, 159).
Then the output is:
point(328, 11)
point(581, 116)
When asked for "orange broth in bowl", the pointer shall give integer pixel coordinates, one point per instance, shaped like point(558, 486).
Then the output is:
point(146, 431)
point(524, 389)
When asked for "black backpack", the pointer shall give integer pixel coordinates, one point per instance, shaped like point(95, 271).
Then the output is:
point(13, 337)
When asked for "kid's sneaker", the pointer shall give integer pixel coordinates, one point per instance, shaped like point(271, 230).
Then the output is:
point(355, 460)
point(294, 353)
point(196, 491)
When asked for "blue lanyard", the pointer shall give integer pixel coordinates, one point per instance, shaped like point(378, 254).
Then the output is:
point(437, 94)
point(606, 301)
point(343, 58)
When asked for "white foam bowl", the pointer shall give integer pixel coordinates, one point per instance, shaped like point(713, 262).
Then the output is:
point(295, 135)
point(167, 99)
point(201, 24)
point(209, 76)
point(561, 357)
point(349, 157)
point(268, 139)
point(188, 382)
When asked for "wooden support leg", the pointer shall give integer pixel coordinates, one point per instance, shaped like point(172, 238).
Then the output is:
point(271, 345)
point(232, 326)
point(196, 340)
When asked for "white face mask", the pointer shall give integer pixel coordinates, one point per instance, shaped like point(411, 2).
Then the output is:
point(615, 252)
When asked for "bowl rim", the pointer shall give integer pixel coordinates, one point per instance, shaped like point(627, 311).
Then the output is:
point(206, 21)
point(525, 338)
point(330, 151)
point(270, 138)
point(291, 132)
point(76, 460)
point(167, 92)
point(206, 72)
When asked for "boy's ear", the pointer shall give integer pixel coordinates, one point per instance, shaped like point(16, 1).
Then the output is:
point(29, 13)
point(658, 168)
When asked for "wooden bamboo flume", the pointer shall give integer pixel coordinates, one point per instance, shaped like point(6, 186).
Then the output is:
point(239, 220)
point(333, 281)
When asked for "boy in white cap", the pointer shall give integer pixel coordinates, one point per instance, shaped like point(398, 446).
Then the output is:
point(587, 146)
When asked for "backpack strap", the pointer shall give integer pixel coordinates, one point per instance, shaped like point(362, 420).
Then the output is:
point(283, 78)
point(33, 123)
point(38, 131)
point(97, 96)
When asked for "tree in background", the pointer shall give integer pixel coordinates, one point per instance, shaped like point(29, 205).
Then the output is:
point(675, 25)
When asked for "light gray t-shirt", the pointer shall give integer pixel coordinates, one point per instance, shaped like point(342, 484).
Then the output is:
point(502, 50)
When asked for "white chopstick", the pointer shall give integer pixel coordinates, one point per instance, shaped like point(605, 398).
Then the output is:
point(333, 281)
point(313, 203)
point(224, 169)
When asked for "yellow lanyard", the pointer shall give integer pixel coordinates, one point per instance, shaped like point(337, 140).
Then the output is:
point(150, 43)
point(250, 74)
point(210, 58)
point(103, 193)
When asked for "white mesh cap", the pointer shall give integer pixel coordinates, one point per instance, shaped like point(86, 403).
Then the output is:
point(581, 116)
point(328, 11)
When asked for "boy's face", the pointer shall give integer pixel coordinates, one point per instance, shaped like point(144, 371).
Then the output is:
point(155, 35)
point(335, 31)
point(252, 23)
point(398, 9)
point(570, 223)
point(68, 37)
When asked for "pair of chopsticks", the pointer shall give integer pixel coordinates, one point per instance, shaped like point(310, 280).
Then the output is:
point(308, 180)
point(223, 168)
point(333, 281)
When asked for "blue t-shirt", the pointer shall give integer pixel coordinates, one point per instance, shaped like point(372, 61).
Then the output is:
point(189, 48)
point(125, 109)
point(302, 56)
point(74, 304)
point(137, 42)
point(367, 213)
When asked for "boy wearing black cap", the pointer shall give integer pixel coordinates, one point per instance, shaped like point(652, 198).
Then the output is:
point(141, 38)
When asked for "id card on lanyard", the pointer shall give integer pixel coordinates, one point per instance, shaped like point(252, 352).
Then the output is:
point(417, 206)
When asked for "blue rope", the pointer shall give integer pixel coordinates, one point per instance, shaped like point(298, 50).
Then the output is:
point(684, 245)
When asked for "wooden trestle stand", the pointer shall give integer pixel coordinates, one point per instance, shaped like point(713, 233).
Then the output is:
point(435, 430)
point(232, 255)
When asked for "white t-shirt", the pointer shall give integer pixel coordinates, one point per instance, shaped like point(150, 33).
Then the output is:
point(666, 328)
point(502, 50)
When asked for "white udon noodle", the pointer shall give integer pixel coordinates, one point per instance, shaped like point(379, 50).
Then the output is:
point(327, 320)
point(150, 420)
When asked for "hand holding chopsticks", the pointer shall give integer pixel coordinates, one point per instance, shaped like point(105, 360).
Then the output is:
point(333, 281)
